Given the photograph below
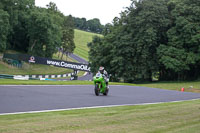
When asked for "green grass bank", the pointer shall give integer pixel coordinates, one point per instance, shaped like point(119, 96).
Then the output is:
point(31, 69)
point(81, 39)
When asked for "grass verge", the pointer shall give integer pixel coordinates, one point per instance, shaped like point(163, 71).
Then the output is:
point(192, 86)
point(31, 69)
point(43, 82)
point(159, 118)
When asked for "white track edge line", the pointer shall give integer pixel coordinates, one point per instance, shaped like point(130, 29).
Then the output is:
point(107, 106)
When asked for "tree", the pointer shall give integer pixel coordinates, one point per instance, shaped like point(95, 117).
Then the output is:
point(4, 29)
point(95, 53)
point(103, 52)
point(52, 7)
point(149, 21)
point(66, 24)
point(34, 30)
point(133, 40)
point(93, 25)
point(68, 44)
point(151, 37)
point(181, 55)
point(45, 35)
point(80, 23)
point(18, 11)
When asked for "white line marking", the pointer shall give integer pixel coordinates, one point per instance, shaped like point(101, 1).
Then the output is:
point(107, 106)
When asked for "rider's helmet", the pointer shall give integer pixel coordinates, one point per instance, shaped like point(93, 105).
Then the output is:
point(101, 69)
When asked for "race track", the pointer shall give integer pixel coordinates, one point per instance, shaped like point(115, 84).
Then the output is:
point(37, 98)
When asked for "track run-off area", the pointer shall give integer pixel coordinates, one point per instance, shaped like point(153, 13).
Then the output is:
point(16, 99)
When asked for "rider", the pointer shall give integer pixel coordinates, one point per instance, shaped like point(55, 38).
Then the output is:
point(105, 75)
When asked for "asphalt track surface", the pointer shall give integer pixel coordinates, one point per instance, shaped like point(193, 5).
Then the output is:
point(37, 98)
point(79, 59)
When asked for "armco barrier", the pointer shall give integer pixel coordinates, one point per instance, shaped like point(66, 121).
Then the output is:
point(19, 77)
point(4, 76)
point(34, 77)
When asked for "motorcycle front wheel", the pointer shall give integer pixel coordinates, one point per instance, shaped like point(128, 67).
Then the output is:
point(106, 92)
point(96, 90)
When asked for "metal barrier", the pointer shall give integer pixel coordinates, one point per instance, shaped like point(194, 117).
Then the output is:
point(18, 77)
point(4, 76)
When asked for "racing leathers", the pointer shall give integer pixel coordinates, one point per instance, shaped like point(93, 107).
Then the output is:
point(105, 76)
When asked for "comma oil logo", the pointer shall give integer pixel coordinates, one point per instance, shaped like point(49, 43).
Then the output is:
point(32, 59)
point(69, 65)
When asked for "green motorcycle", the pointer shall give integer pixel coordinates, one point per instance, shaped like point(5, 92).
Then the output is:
point(100, 85)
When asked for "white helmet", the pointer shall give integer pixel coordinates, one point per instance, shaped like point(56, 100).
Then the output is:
point(101, 69)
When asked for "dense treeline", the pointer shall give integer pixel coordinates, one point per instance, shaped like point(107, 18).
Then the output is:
point(92, 25)
point(34, 30)
point(151, 39)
